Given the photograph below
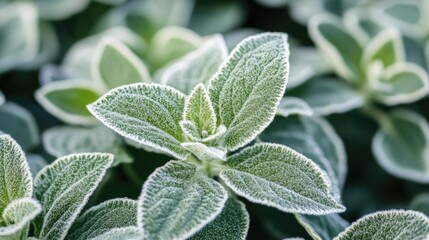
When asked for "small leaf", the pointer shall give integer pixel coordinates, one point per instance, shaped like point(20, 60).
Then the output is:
point(327, 96)
point(421, 203)
point(145, 113)
point(199, 110)
point(204, 152)
point(401, 146)
point(114, 64)
point(248, 87)
point(293, 105)
point(190, 130)
point(67, 100)
point(109, 220)
point(64, 140)
point(361, 25)
point(232, 223)
point(177, 201)
point(392, 224)
point(277, 176)
point(340, 48)
point(64, 187)
point(196, 67)
point(322, 227)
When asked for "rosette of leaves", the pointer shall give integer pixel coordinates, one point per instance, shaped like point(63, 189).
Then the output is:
point(220, 104)
point(375, 72)
point(53, 200)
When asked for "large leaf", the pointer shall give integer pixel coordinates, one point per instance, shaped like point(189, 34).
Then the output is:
point(177, 201)
point(114, 64)
point(64, 140)
point(67, 100)
point(113, 219)
point(393, 224)
point(401, 146)
point(148, 114)
point(196, 67)
point(61, 9)
point(249, 85)
point(277, 176)
point(293, 106)
point(232, 223)
point(322, 227)
point(64, 187)
point(421, 203)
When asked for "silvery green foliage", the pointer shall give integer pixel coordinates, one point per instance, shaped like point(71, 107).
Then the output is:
point(392, 224)
point(231, 223)
point(177, 201)
point(113, 219)
point(196, 67)
point(58, 10)
point(293, 106)
point(36, 163)
point(273, 175)
point(63, 188)
point(421, 203)
point(322, 227)
point(64, 140)
point(400, 147)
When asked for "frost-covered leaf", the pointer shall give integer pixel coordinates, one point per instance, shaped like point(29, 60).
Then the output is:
point(67, 100)
point(113, 219)
point(292, 106)
point(20, 124)
point(326, 96)
point(204, 152)
point(114, 64)
point(339, 48)
point(391, 224)
point(63, 188)
point(401, 83)
point(16, 218)
point(64, 140)
point(421, 203)
point(36, 163)
point(61, 9)
point(322, 227)
point(232, 223)
point(196, 67)
point(145, 113)
point(249, 85)
point(401, 146)
point(277, 176)
point(177, 201)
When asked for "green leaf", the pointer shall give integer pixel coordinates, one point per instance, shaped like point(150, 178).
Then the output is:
point(64, 187)
point(67, 100)
point(361, 25)
point(64, 140)
point(401, 83)
point(17, 216)
point(322, 227)
point(36, 163)
point(400, 147)
point(113, 219)
point(199, 110)
point(204, 152)
point(327, 96)
point(177, 201)
point(114, 64)
point(2, 98)
point(339, 48)
point(20, 124)
point(145, 113)
point(293, 106)
point(60, 9)
point(196, 67)
point(391, 224)
point(232, 223)
point(190, 130)
point(247, 89)
point(277, 176)
point(421, 203)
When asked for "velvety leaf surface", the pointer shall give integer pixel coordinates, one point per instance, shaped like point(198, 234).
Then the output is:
point(322, 227)
point(293, 106)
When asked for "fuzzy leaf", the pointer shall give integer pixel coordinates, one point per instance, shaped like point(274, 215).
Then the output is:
point(248, 87)
point(67, 100)
point(204, 152)
point(145, 113)
point(113, 219)
point(64, 187)
point(232, 223)
point(277, 176)
point(326, 96)
point(393, 224)
point(177, 201)
point(401, 146)
point(36, 163)
point(196, 67)
point(322, 227)
point(341, 50)
point(114, 64)
point(190, 130)
point(361, 25)
point(421, 203)
point(64, 140)
point(293, 105)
